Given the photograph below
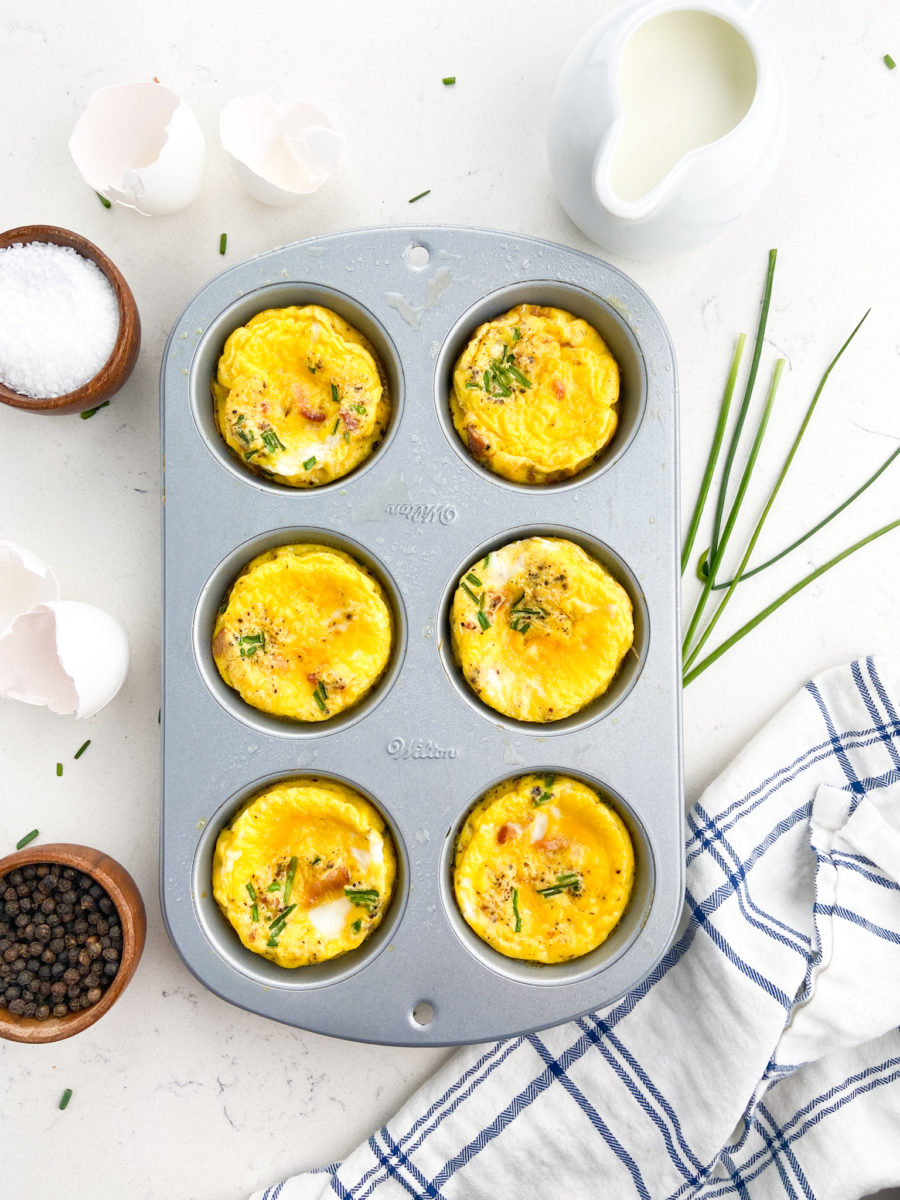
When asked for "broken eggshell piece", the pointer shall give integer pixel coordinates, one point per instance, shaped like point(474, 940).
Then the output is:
point(25, 580)
point(280, 152)
point(140, 145)
point(69, 656)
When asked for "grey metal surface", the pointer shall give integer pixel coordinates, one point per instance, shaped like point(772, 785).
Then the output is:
point(422, 747)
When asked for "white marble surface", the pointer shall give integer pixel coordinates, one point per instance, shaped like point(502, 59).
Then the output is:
point(175, 1092)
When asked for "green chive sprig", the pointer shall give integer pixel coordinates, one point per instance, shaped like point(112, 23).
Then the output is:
point(366, 898)
point(448, 80)
point(568, 881)
point(103, 200)
point(289, 879)
point(89, 412)
point(250, 643)
point(517, 928)
point(59, 769)
point(64, 1099)
point(889, 62)
point(273, 441)
point(711, 561)
point(427, 192)
point(320, 696)
point(81, 749)
point(223, 242)
point(29, 837)
point(309, 464)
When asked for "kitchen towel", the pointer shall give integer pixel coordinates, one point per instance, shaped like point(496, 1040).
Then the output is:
point(761, 1058)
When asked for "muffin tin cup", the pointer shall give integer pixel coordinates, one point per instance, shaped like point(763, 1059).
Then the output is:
point(420, 745)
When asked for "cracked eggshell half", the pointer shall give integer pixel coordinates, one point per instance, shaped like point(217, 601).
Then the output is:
point(66, 655)
point(280, 152)
point(140, 145)
point(25, 580)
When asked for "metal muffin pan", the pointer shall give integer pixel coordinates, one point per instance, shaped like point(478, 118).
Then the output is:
point(421, 746)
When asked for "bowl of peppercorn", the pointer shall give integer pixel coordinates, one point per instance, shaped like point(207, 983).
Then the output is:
point(72, 929)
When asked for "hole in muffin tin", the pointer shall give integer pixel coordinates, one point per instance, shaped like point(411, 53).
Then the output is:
point(207, 608)
point(282, 295)
point(608, 322)
point(575, 969)
point(226, 943)
point(423, 1012)
point(629, 670)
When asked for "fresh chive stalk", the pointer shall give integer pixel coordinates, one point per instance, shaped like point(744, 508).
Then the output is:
point(64, 1099)
point(223, 242)
point(568, 881)
point(309, 464)
point(357, 925)
point(273, 441)
point(714, 449)
point(29, 837)
point(448, 80)
point(250, 643)
point(334, 394)
point(89, 412)
point(517, 928)
point(482, 620)
point(289, 880)
point(783, 599)
point(251, 890)
point(81, 749)
point(888, 62)
point(59, 769)
point(427, 192)
point(320, 696)
point(366, 898)
point(103, 200)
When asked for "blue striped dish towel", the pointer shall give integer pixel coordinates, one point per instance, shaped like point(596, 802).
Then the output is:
point(761, 1058)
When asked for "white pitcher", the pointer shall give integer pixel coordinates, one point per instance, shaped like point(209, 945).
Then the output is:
point(666, 124)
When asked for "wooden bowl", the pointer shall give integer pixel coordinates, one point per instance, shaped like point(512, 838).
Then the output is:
point(115, 371)
point(123, 892)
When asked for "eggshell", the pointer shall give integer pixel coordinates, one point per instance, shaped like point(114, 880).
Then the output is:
point(279, 151)
point(140, 145)
point(69, 656)
point(24, 580)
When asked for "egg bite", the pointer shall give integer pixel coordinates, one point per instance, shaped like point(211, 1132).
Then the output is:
point(304, 632)
point(534, 395)
point(305, 872)
point(543, 868)
point(300, 396)
point(539, 628)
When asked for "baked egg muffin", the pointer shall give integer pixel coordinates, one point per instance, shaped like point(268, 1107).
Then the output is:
point(534, 395)
point(305, 871)
point(304, 632)
point(300, 396)
point(543, 868)
point(539, 628)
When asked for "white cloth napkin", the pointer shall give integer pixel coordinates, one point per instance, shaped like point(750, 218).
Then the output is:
point(762, 1056)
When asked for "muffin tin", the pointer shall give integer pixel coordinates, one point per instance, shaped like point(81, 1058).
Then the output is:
point(421, 746)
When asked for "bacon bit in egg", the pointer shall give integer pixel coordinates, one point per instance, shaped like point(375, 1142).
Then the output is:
point(351, 421)
point(337, 877)
point(507, 832)
point(559, 388)
point(304, 405)
point(553, 843)
point(475, 441)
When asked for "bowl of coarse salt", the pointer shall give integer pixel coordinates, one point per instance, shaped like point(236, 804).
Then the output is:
point(69, 325)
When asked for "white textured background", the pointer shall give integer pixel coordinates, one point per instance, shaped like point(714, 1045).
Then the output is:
point(176, 1093)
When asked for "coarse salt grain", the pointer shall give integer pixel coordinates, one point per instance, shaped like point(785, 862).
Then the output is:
point(59, 319)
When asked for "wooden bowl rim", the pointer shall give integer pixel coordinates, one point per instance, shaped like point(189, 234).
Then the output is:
point(114, 372)
point(123, 891)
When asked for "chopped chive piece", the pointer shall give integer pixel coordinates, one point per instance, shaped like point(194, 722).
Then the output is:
point(889, 62)
point(89, 412)
point(310, 463)
point(103, 200)
point(357, 925)
point(346, 437)
point(254, 914)
point(317, 859)
point(473, 579)
point(335, 429)
point(359, 408)
point(273, 441)
point(29, 837)
point(251, 890)
point(223, 242)
point(543, 798)
point(519, 377)
point(366, 898)
point(516, 334)
point(549, 781)
point(289, 881)
point(249, 454)
point(334, 393)
point(274, 886)
point(58, 769)
point(427, 192)
point(273, 941)
point(282, 916)
point(65, 1098)
point(515, 902)
point(249, 643)
point(312, 370)
point(476, 386)
point(482, 620)
point(240, 419)
point(565, 882)
point(486, 559)
point(320, 696)
point(465, 587)
point(448, 80)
